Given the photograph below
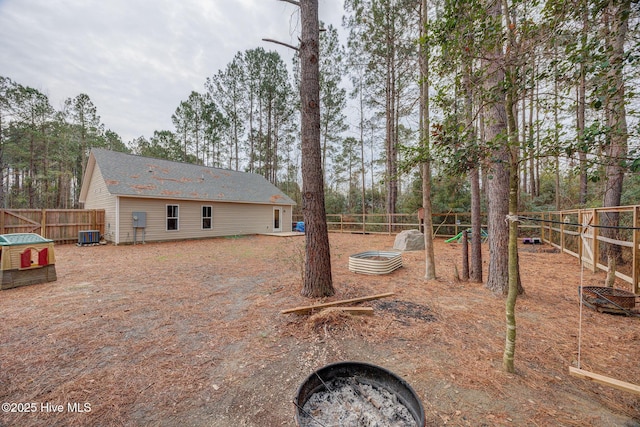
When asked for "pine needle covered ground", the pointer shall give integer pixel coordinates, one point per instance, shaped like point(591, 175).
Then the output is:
point(190, 333)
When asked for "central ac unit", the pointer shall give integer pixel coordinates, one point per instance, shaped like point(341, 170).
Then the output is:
point(88, 237)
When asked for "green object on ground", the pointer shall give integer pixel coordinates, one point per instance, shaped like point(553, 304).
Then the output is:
point(458, 237)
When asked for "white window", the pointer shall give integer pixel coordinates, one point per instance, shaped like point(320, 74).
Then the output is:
point(172, 217)
point(207, 220)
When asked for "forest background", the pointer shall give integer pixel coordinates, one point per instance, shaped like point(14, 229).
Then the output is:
point(247, 115)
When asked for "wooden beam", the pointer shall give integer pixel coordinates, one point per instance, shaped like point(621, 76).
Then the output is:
point(611, 382)
point(307, 308)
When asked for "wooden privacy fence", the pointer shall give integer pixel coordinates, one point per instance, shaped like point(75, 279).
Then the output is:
point(59, 225)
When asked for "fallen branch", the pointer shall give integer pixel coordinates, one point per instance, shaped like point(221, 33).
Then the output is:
point(335, 303)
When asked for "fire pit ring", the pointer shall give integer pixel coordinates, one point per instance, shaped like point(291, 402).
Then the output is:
point(608, 299)
point(369, 384)
point(375, 262)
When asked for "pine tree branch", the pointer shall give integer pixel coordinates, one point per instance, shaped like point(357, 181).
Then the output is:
point(282, 43)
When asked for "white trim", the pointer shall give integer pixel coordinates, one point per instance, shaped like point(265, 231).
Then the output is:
point(166, 217)
point(273, 221)
point(202, 217)
point(117, 227)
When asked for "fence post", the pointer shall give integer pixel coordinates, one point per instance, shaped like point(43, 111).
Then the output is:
point(455, 220)
point(43, 223)
point(562, 232)
point(580, 241)
point(596, 242)
point(636, 250)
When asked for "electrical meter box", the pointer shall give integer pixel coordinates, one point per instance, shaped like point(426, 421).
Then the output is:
point(139, 219)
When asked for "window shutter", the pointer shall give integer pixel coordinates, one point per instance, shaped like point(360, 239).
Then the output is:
point(43, 256)
point(25, 259)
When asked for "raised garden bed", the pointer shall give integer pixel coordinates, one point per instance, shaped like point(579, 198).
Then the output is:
point(375, 262)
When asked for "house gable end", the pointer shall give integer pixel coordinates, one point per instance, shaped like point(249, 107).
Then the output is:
point(86, 179)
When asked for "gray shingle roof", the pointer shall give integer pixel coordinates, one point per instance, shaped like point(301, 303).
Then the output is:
point(137, 176)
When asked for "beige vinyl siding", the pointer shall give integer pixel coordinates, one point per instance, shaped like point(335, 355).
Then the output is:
point(99, 197)
point(228, 219)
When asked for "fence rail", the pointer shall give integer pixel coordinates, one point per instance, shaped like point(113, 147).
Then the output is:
point(444, 224)
point(575, 232)
point(578, 233)
point(59, 225)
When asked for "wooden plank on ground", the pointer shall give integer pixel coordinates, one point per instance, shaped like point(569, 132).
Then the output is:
point(611, 382)
point(335, 303)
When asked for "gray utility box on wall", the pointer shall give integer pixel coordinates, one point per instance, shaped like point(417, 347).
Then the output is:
point(139, 219)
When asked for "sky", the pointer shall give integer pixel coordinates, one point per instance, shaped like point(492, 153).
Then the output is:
point(138, 59)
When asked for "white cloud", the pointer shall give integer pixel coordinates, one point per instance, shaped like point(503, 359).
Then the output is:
point(137, 59)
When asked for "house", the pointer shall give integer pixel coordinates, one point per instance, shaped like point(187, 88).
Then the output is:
point(149, 199)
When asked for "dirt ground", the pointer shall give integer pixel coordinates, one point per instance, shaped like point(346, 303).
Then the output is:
point(190, 333)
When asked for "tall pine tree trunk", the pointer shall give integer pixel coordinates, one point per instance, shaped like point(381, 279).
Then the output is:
point(616, 150)
point(498, 169)
point(2, 166)
point(556, 123)
point(580, 111)
point(476, 226)
point(532, 149)
point(430, 264)
point(317, 275)
point(390, 115)
point(474, 181)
